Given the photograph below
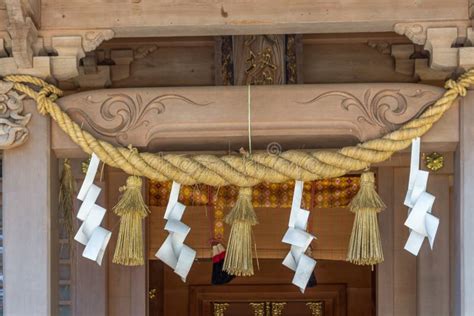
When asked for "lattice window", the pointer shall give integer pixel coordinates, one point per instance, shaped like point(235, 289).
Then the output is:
point(65, 270)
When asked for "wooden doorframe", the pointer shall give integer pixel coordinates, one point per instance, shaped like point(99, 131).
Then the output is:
point(202, 296)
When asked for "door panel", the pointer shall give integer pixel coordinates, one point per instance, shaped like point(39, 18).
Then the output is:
point(267, 300)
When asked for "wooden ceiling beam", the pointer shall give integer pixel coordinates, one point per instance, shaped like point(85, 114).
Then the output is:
point(129, 18)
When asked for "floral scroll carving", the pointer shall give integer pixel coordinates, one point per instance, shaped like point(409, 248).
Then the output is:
point(121, 113)
point(220, 308)
point(13, 130)
point(379, 108)
point(92, 39)
point(316, 308)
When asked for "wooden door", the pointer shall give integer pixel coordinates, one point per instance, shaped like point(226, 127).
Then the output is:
point(267, 300)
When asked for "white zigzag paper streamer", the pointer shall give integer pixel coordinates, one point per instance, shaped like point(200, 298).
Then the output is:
point(299, 239)
point(90, 234)
point(173, 252)
point(421, 222)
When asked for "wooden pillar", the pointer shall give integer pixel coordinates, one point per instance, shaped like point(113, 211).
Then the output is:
point(30, 181)
point(463, 258)
point(433, 265)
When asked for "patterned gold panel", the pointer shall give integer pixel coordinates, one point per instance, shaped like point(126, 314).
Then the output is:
point(220, 308)
point(316, 308)
point(328, 193)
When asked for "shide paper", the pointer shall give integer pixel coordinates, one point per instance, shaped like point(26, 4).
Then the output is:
point(421, 222)
point(90, 234)
point(299, 239)
point(173, 252)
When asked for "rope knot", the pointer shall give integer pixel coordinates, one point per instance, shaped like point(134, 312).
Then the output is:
point(456, 86)
point(46, 96)
point(132, 183)
point(245, 191)
point(133, 150)
point(41, 105)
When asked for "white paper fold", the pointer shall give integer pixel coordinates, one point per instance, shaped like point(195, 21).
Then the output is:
point(90, 234)
point(299, 239)
point(173, 252)
point(93, 220)
point(303, 272)
point(420, 221)
point(88, 202)
point(90, 176)
point(185, 261)
point(174, 195)
point(97, 244)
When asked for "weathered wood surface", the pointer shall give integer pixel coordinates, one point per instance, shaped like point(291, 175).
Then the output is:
point(30, 191)
point(209, 17)
point(215, 118)
point(463, 255)
point(409, 285)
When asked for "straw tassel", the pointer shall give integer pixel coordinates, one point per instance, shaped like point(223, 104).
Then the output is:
point(365, 247)
point(132, 209)
point(66, 199)
point(238, 260)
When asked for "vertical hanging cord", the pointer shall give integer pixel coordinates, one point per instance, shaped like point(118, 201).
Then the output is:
point(249, 123)
point(249, 118)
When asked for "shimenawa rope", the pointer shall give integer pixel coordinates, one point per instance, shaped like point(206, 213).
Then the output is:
point(233, 169)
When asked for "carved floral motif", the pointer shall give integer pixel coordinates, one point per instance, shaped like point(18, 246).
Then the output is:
point(92, 39)
point(379, 108)
point(220, 308)
point(316, 308)
point(415, 32)
point(13, 131)
point(123, 113)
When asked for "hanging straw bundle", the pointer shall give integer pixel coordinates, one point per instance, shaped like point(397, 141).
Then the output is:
point(66, 199)
point(238, 260)
point(132, 209)
point(365, 247)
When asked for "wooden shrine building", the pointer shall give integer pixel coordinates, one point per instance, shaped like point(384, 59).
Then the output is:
point(251, 88)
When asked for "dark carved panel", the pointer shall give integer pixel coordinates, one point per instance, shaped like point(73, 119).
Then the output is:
point(259, 59)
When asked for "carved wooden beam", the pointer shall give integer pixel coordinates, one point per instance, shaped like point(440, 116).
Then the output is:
point(196, 18)
point(450, 43)
point(23, 32)
point(216, 118)
point(48, 54)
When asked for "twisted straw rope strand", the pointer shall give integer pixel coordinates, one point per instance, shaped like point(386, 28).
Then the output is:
point(242, 171)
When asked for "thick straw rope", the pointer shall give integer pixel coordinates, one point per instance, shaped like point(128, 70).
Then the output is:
point(242, 171)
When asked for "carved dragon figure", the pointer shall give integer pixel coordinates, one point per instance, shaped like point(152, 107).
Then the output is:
point(13, 131)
